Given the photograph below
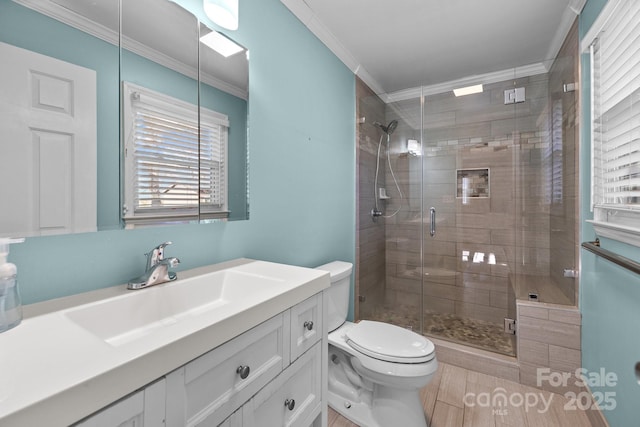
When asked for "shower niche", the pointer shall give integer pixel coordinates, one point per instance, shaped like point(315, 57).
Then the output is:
point(472, 183)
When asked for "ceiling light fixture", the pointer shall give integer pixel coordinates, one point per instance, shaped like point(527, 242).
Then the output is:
point(467, 90)
point(222, 12)
point(218, 42)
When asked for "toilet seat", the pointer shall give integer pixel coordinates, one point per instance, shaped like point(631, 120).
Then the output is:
point(395, 374)
point(389, 343)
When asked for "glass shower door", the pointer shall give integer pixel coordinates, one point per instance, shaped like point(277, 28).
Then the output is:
point(468, 173)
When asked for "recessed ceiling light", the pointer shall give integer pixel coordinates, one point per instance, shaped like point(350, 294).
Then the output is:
point(222, 12)
point(221, 44)
point(467, 90)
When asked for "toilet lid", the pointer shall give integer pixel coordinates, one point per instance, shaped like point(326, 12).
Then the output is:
point(389, 342)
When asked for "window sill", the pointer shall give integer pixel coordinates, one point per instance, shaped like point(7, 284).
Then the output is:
point(621, 233)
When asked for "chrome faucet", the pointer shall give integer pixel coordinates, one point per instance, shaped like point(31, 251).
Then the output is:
point(157, 270)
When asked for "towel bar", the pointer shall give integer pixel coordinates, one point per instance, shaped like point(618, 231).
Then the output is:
point(625, 262)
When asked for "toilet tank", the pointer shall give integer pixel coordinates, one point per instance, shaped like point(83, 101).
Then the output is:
point(340, 274)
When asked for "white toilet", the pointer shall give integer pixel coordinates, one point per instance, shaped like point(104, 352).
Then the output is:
point(376, 370)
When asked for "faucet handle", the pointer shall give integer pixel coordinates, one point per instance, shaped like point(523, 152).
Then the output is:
point(159, 250)
point(156, 254)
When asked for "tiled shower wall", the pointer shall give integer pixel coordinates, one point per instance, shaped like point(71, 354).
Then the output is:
point(370, 251)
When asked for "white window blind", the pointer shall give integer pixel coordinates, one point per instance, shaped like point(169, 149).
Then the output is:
point(615, 59)
point(170, 173)
point(213, 169)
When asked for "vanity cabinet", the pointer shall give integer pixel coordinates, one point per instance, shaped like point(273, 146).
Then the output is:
point(142, 408)
point(293, 399)
point(271, 375)
point(209, 389)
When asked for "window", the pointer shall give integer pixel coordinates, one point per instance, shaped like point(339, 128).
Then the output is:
point(615, 127)
point(170, 174)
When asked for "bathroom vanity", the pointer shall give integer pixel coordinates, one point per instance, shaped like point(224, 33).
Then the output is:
point(242, 343)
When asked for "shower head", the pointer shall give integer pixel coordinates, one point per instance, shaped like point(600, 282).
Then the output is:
point(393, 124)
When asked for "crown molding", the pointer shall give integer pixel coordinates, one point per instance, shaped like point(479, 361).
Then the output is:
point(568, 17)
point(493, 77)
point(576, 6)
point(84, 24)
point(307, 16)
point(71, 18)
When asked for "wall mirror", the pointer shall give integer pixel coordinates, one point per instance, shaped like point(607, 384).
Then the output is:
point(64, 104)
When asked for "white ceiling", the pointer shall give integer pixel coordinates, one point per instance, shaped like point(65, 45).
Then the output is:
point(401, 44)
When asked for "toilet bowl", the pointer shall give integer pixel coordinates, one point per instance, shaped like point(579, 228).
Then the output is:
point(376, 369)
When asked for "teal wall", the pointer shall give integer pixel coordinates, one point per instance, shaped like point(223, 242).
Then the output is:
point(609, 295)
point(302, 174)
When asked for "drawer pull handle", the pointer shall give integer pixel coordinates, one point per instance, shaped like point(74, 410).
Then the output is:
point(243, 371)
point(290, 404)
point(308, 325)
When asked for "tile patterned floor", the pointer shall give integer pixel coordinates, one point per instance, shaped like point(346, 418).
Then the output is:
point(457, 397)
point(471, 332)
point(477, 333)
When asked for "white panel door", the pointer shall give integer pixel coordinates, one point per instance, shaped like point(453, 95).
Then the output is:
point(48, 136)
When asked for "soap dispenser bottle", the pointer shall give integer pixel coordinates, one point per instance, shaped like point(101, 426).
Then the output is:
point(10, 305)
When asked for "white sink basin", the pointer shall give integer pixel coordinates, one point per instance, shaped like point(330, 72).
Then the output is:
point(140, 313)
point(101, 345)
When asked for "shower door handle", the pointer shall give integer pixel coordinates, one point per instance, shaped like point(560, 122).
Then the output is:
point(432, 225)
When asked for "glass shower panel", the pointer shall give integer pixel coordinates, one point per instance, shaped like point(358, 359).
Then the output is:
point(534, 188)
point(469, 164)
point(401, 204)
point(370, 279)
point(547, 191)
point(564, 244)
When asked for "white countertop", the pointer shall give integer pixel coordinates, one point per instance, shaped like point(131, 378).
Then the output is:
point(54, 372)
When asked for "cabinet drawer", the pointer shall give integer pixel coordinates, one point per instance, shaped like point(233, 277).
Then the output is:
point(292, 399)
point(306, 325)
point(207, 390)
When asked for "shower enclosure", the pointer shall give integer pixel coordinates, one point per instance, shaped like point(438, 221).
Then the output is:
point(488, 208)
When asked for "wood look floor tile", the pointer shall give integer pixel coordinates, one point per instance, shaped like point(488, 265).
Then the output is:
point(443, 400)
point(445, 415)
point(452, 385)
